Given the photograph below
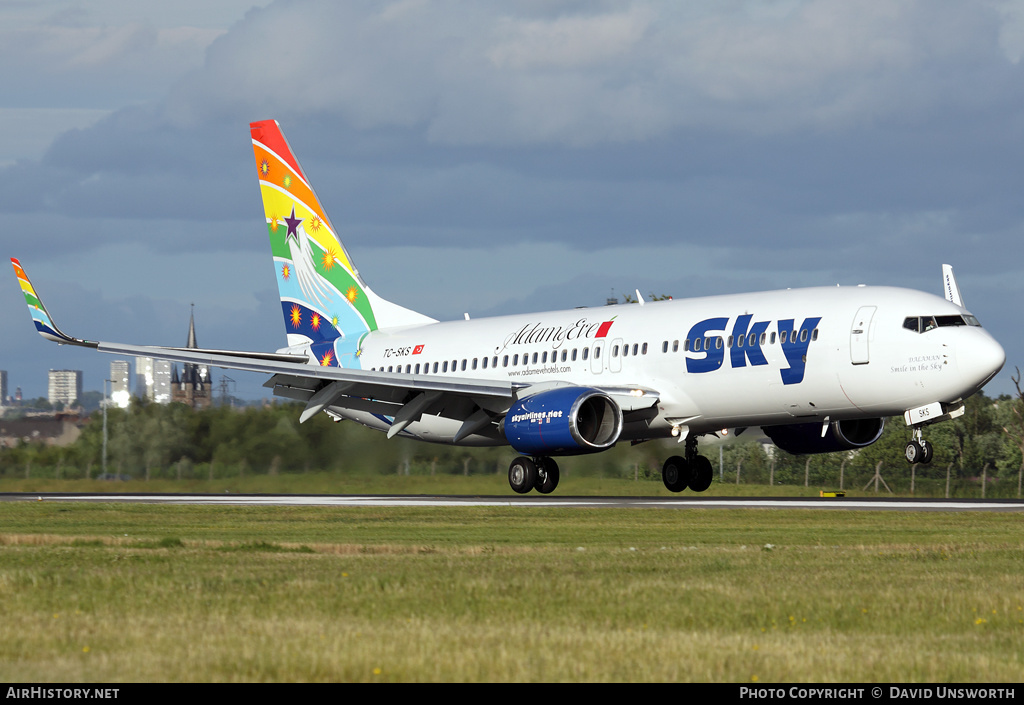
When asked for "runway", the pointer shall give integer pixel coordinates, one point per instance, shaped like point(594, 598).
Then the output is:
point(537, 501)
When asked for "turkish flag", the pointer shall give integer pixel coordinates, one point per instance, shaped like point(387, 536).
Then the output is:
point(417, 350)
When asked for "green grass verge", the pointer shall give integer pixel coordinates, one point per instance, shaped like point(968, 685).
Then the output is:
point(93, 592)
point(491, 484)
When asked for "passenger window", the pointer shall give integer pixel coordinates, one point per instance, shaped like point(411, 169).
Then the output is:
point(504, 361)
point(515, 360)
point(586, 352)
point(597, 353)
point(803, 335)
point(718, 343)
point(484, 361)
point(686, 345)
point(730, 342)
point(573, 356)
point(445, 368)
point(644, 349)
point(625, 350)
point(782, 337)
point(544, 358)
point(564, 353)
point(696, 344)
point(773, 338)
point(814, 335)
point(664, 347)
point(675, 346)
point(535, 358)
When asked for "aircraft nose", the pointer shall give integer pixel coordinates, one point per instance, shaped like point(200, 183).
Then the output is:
point(982, 358)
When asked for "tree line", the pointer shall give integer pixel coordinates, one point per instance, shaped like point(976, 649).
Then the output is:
point(170, 441)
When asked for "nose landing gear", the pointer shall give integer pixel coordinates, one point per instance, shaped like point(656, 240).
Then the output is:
point(919, 450)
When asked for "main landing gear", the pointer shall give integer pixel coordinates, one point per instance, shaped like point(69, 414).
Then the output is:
point(693, 471)
point(525, 474)
point(919, 450)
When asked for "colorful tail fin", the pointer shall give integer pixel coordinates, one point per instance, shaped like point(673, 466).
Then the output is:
point(322, 295)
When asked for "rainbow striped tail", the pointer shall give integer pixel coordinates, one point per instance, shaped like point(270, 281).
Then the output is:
point(323, 297)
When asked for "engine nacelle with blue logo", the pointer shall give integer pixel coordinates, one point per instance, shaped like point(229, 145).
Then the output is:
point(563, 421)
point(806, 438)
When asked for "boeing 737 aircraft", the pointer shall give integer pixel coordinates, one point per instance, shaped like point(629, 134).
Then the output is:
point(816, 369)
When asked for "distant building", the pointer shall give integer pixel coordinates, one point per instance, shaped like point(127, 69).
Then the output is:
point(193, 386)
point(55, 430)
point(3, 387)
point(120, 389)
point(153, 379)
point(65, 387)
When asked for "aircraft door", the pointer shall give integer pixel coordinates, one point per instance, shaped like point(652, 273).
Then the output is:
point(596, 355)
point(859, 332)
point(614, 357)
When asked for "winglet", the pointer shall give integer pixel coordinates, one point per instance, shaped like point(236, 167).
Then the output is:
point(40, 316)
point(950, 287)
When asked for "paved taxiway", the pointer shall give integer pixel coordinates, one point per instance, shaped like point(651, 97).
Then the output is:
point(683, 502)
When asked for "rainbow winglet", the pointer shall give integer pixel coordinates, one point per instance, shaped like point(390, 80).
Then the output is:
point(40, 316)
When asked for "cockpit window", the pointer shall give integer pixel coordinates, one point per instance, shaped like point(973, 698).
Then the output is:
point(923, 324)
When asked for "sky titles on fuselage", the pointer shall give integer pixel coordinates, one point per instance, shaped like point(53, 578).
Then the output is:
point(705, 353)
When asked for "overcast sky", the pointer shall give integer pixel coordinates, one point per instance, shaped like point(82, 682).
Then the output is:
point(503, 157)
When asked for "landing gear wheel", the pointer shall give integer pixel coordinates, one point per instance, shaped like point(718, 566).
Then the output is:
point(522, 474)
point(926, 454)
point(676, 474)
point(702, 474)
point(914, 452)
point(547, 476)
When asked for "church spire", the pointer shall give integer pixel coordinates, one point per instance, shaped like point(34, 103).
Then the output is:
point(191, 328)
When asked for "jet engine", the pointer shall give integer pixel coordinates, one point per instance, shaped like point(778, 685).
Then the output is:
point(563, 421)
point(806, 438)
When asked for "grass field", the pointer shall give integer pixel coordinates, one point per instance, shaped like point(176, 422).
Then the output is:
point(104, 592)
point(478, 484)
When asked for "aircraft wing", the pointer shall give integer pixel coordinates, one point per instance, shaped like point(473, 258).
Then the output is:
point(475, 401)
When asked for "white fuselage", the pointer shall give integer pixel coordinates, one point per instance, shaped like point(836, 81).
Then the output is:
point(846, 354)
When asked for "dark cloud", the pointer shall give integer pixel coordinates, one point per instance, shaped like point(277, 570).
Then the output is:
point(791, 143)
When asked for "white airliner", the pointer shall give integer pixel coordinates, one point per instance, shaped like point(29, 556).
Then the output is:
point(816, 369)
